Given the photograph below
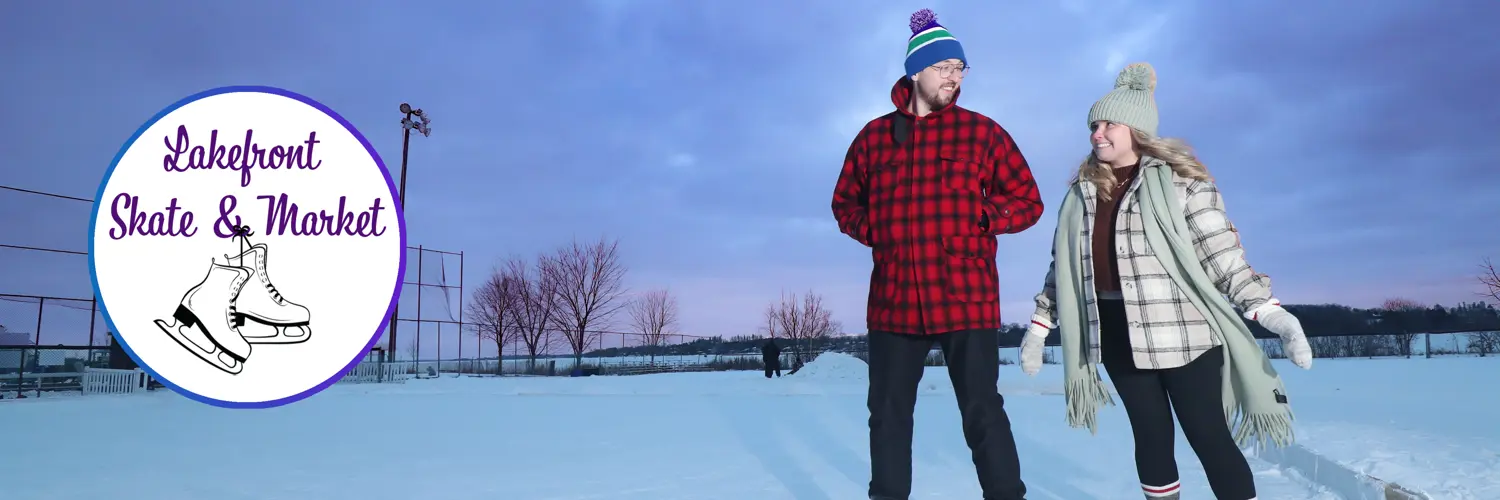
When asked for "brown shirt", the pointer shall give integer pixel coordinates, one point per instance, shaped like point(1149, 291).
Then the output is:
point(1106, 259)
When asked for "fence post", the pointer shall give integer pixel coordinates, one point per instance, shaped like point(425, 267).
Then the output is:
point(93, 313)
point(41, 305)
point(21, 371)
point(1428, 351)
point(479, 343)
point(36, 357)
point(417, 356)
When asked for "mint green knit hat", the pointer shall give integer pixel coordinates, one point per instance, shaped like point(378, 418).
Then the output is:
point(1132, 102)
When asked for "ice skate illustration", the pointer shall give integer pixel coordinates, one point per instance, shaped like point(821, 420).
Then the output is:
point(264, 304)
point(204, 320)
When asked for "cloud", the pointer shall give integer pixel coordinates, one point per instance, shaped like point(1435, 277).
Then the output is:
point(681, 162)
point(1135, 41)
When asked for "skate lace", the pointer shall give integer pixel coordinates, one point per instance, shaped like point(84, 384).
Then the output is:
point(275, 294)
point(234, 297)
point(242, 233)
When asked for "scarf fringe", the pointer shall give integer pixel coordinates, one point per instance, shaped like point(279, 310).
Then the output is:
point(1260, 429)
point(1085, 396)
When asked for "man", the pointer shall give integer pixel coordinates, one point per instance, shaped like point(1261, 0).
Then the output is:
point(928, 187)
point(770, 354)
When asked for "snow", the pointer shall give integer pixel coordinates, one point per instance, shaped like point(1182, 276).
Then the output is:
point(835, 366)
point(1422, 423)
point(1426, 424)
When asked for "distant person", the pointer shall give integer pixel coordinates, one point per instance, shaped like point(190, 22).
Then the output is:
point(928, 187)
point(1143, 257)
point(770, 354)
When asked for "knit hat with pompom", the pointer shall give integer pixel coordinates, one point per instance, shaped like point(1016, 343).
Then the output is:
point(930, 43)
point(1132, 102)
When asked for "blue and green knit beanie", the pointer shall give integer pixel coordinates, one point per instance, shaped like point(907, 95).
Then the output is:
point(930, 43)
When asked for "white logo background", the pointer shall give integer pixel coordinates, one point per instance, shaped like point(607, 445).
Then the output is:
point(345, 282)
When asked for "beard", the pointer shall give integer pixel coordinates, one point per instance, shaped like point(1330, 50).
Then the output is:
point(936, 99)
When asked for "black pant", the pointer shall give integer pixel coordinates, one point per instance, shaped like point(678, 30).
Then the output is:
point(773, 364)
point(1194, 391)
point(896, 365)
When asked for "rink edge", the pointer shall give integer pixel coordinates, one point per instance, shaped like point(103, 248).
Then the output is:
point(1331, 474)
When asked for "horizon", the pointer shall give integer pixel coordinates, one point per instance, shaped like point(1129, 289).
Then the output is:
point(707, 140)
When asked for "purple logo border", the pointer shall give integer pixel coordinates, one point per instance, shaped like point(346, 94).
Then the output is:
point(395, 201)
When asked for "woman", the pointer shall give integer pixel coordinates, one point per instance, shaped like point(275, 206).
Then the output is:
point(1152, 308)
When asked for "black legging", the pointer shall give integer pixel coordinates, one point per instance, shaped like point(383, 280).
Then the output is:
point(1150, 397)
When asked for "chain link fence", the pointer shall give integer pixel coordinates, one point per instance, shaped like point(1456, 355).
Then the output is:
point(40, 371)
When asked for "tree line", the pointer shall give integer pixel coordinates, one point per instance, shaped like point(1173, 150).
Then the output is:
point(566, 295)
point(571, 294)
point(1390, 329)
point(1335, 330)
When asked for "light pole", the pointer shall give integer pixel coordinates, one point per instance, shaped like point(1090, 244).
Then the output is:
point(420, 124)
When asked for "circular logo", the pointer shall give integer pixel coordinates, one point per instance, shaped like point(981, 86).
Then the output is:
point(245, 244)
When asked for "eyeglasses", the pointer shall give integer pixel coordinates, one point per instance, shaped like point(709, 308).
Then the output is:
point(946, 71)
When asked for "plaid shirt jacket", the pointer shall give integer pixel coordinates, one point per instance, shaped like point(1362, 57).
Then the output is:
point(929, 195)
point(1166, 329)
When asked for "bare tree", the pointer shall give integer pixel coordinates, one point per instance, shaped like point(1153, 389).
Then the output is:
point(414, 348)
point(1403, 315)
point(590, 284)
point(493, 309)
point(1486, 343)
point(773, 322)
point(803, 323)
point(1491, 280)
point(654, 315)
point(534, 306)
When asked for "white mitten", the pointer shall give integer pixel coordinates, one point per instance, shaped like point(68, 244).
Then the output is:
point(1033, 344)
point(1286, 326)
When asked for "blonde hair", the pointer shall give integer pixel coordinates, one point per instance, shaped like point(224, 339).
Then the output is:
point(1176, 153)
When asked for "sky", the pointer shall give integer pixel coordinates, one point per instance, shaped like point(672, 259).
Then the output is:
point(1354, 146)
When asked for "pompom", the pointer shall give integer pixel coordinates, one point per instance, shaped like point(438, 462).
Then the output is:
point(1137, 76)
point(919, 20)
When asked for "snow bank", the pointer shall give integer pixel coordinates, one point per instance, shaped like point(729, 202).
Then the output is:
point(1344, 481)
point(1397, 420)
point(835, 366)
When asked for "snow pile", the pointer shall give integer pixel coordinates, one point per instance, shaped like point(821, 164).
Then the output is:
point(835, 366)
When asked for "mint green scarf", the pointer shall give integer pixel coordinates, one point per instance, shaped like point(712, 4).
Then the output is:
point(1251, 385)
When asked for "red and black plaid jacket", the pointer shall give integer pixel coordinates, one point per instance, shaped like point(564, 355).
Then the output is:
point(928, 195)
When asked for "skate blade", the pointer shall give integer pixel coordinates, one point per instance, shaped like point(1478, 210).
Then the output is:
point(219, 358)
point(254, 330)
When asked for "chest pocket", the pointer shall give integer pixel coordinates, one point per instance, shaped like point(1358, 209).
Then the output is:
point(962, 169)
